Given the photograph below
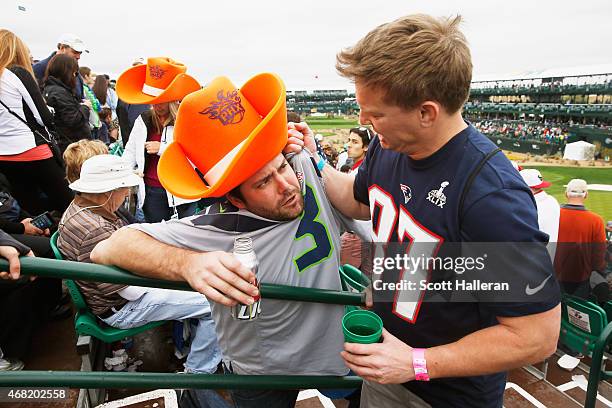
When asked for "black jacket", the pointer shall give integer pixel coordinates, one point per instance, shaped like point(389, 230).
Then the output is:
point(41, 67)
point(7, 240)
point(71, 117)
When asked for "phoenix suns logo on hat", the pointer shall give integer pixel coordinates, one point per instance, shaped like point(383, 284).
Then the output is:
point(157, 72)
point(161, 80)
point(227, 109)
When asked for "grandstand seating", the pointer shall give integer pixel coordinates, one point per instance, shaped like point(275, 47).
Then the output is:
point(585, 329)
point(603, 111)
point(577, 312)
point(481, 89)
point(85, 322)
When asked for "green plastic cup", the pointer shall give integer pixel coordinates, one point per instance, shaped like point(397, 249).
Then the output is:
point(362, 326)
point(353, 279)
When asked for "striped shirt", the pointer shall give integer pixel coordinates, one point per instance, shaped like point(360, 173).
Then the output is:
point(80, 230)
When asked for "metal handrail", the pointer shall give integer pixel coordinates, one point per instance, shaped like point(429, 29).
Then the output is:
point(100, 273)
point(596, 373)
point(53, 268)
point(90, 380)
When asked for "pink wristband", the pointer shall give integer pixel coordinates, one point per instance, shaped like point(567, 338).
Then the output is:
point(419, 364)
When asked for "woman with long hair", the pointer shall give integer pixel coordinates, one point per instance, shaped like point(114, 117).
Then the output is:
point(105, 94)
point(152, 133)
point(25, 157)
point(37, 182)
point(71, 114)
point(100, 89)
point(109, 126)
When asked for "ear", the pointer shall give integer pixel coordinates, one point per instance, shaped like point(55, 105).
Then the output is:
point(429, 112)
point(235, 201)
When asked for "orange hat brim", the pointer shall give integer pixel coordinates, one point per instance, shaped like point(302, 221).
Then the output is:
point(266, 93)
point(129, 87)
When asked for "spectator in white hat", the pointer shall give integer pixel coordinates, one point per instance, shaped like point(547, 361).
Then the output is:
point(104, 184)
point(582, 242)
point(69, 44)
point(548, 207)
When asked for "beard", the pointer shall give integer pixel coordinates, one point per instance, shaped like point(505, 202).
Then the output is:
point(282, 212)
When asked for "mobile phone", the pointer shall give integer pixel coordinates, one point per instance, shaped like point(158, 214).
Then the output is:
point(42, 221)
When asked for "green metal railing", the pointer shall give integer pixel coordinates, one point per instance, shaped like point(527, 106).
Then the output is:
point(99, 273)
point(597, 372)
point(78, 379)
point(53, 268)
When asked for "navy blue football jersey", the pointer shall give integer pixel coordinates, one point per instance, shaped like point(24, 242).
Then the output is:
point(418, 201)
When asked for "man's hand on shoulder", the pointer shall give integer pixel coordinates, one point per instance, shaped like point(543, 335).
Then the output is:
point(299, 136)
point(220, 277)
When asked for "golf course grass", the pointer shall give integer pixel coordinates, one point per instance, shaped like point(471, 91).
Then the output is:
point(597, 201)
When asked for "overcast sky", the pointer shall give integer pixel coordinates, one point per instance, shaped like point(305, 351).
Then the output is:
point(299, 40)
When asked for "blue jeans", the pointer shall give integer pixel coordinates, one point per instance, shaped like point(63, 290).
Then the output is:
point(165, 304)
point(156, 208)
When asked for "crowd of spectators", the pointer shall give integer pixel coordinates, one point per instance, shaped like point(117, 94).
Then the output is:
point(547, 132)
point(55, 115)
point(87, 117)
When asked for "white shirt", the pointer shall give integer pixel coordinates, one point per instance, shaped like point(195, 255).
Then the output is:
point(15, 136)
point(342, 158)
point(134, 155)
point(548, 219)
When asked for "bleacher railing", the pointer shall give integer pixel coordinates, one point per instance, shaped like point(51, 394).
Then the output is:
point(543, 90)
point(99, 273)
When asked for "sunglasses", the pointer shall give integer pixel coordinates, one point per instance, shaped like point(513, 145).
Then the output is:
point(368, 131)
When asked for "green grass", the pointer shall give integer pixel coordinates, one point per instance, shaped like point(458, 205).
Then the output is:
point(330, 123)
point(597, 201)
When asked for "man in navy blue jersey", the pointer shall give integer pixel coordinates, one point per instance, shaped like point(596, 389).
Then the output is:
point(431, 178)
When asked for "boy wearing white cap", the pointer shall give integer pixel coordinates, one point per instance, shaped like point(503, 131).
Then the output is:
point(548, 207)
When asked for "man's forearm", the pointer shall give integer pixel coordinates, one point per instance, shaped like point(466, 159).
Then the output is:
point(137, 252)
point(339, 191)
point(494, 349)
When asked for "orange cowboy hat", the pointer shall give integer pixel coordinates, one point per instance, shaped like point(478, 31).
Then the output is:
point(224, 135)
point(160, 80)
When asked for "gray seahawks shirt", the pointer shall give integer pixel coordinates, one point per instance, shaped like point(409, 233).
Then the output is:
point(287, 337)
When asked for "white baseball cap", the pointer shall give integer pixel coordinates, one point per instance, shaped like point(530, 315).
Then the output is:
point(138, 61)
point(73, 41)
point(105, 172)
point(534, 179)
point(577, 186)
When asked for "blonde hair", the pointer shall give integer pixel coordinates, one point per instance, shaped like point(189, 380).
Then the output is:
point(413, 59)
point(157, 124)
point(13, 51)
point(76, 153)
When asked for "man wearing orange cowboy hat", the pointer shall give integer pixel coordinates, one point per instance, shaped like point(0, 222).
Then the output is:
point(228, 142)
